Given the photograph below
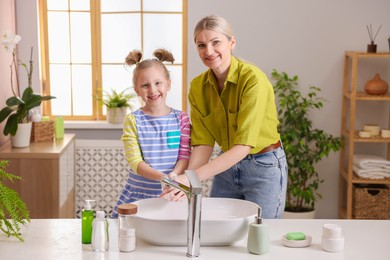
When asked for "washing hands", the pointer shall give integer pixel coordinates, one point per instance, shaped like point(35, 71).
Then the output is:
point(171, 193)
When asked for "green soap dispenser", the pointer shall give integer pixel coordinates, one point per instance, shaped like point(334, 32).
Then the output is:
point(87, 217)
point(258, 236)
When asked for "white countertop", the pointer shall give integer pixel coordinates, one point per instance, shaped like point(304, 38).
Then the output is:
point(61, 239)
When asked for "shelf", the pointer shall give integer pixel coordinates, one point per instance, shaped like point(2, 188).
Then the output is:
point(357, 54)
point(351, 97)
point(374, 139)
point(342, 213)
point(358, 180)
point(360, 95)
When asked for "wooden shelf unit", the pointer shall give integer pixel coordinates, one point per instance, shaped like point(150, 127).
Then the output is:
point(351, 95)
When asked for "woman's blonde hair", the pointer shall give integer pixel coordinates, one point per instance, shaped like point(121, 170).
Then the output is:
point(135, 57)
point(214, 23)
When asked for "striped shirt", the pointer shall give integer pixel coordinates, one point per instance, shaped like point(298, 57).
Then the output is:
point(159, 142)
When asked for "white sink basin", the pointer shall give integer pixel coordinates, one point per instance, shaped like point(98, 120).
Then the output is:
point(224, 221)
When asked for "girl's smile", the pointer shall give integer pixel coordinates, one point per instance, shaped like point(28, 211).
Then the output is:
point(152, 87)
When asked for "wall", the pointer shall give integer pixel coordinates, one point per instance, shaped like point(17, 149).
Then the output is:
point(7, 23)
point(304, 38)
point(301, 37)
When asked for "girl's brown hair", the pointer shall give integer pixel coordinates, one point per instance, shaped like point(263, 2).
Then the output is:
point(135, 57)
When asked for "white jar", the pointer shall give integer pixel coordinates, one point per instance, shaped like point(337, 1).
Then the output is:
point(332, 239)
point(36, 116)
point(374, 129)
point(127, 240)
point(127, 236)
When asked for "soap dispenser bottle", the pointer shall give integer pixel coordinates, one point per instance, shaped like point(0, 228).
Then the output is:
point(258, 236)
point(87, 217)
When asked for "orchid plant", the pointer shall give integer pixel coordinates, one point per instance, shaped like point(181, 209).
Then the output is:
point(9, 42)
point(18, 108)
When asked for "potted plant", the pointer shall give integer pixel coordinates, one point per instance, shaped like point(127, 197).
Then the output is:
point(117, 104)
point(304, 145)
point(13, 211)
point(17, 108)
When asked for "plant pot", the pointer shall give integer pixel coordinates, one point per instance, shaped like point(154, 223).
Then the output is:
point(299, 215)
point(116, 115)
point(22, 136)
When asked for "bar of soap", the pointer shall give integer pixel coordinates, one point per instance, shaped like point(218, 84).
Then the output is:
point(295, 236)
point(296, 243)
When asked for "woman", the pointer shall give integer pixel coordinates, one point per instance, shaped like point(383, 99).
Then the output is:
point(233, 104)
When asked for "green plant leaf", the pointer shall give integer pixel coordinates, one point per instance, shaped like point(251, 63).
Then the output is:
point(21, 107)
point(11, 126)
point(5, 112)
point(14, 101)
point(304, 145)
point(27, 93)
point(13, 211)
point(114, 99)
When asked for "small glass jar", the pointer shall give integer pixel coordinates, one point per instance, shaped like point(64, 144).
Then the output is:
point(126, 232)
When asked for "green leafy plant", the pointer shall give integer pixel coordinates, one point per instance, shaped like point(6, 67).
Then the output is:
point(17, 108)
point(13, 211)
point(115, 99)
point(304, 145)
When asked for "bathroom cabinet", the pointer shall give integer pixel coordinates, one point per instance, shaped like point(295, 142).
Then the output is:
point(48, 173)
point(354, 98)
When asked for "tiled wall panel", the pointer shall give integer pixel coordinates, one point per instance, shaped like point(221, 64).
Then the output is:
point(101, 173)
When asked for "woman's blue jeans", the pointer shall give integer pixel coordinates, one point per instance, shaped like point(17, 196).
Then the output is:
point(260, 178)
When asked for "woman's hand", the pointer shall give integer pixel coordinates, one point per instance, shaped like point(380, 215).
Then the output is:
point(174, 194)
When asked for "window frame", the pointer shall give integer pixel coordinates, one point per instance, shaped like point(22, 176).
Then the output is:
point(97, 113)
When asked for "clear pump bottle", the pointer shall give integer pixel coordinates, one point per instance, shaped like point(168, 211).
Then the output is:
point(127, 238)
point(87, 216)
point(100, 232)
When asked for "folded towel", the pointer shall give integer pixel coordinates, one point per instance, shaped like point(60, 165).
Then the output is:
point(374, 173)
point(364, 161)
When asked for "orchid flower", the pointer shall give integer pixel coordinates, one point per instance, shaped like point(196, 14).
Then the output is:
point(9, 41)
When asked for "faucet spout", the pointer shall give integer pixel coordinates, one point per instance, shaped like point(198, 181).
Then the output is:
point(194, 196)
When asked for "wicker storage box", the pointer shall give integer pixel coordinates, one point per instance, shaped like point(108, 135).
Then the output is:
point(42, 131)
point(371, 202)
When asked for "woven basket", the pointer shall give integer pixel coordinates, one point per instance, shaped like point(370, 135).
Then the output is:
point(371, 202)
point(42, 131)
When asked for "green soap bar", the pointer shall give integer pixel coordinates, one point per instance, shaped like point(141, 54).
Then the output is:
point(295, 236)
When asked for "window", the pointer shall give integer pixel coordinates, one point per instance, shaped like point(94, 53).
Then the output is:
point(84, 43)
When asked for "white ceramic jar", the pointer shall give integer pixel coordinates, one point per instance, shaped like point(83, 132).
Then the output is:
point(374, 129)
point(332, 239)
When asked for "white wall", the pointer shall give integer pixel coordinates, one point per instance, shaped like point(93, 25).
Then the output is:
point(307, 38)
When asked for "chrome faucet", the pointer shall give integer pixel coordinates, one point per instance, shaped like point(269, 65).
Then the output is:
point(194, 196)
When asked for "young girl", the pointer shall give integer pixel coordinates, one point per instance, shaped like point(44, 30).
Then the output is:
point(156, 137)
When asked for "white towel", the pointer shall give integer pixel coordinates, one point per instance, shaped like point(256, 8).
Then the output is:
point(365, 161)
point(373, 173)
